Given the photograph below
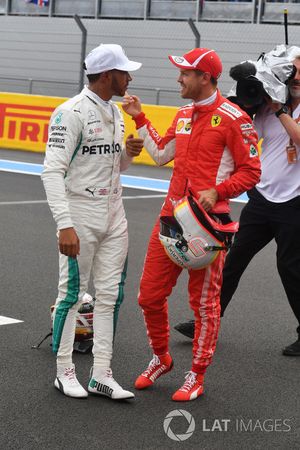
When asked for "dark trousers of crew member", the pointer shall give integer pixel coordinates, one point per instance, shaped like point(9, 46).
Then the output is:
point(260, 222)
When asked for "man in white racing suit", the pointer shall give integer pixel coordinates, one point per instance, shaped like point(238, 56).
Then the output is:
point(84, 156)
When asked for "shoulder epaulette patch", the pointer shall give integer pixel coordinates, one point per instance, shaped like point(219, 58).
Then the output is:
point(230, 110)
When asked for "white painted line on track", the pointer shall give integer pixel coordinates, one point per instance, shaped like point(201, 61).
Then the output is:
point(7, 165)
point(133, 197)
point(125, 197)
point(128, 181)
point(25, 202)
point(38, 202)
point(8, 320)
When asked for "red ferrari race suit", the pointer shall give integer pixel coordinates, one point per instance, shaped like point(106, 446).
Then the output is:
point(213, 146)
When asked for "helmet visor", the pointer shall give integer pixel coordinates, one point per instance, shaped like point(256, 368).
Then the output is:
point(169, 227)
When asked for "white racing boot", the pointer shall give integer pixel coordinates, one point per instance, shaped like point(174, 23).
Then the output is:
point(67, 383)
point(105, 384)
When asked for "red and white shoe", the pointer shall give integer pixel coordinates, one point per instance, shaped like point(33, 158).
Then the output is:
point(159, 365)
point(191, 389)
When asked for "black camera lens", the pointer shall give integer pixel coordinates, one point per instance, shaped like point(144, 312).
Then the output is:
point(250, 91)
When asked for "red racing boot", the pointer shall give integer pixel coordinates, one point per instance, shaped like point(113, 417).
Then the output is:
point(159, 365)
point(191, 389)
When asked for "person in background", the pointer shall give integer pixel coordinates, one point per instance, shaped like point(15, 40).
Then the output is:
point(207, 143)
point(84, 156)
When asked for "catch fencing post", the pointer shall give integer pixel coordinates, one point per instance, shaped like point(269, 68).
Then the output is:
point(195, 31)
point(147, 6)
point(83, 50)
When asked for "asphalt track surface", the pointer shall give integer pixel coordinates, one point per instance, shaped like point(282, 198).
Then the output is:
point(251, 398)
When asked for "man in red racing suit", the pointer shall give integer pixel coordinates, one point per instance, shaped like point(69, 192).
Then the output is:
point(214, 148)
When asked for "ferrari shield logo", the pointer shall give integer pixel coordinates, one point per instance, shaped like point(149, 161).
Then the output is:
point(215, 121)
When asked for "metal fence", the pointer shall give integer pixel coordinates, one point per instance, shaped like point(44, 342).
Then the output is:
point(57, 87)
point(252, 11)
point(49, 53)
point(43, 55)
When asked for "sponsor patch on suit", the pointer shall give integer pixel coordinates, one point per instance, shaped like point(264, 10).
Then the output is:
point(184, 126)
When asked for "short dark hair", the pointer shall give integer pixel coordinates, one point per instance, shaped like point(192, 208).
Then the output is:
point(212, 79)
point(92, 77)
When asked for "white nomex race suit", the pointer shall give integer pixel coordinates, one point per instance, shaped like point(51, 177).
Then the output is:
point(81, 176)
